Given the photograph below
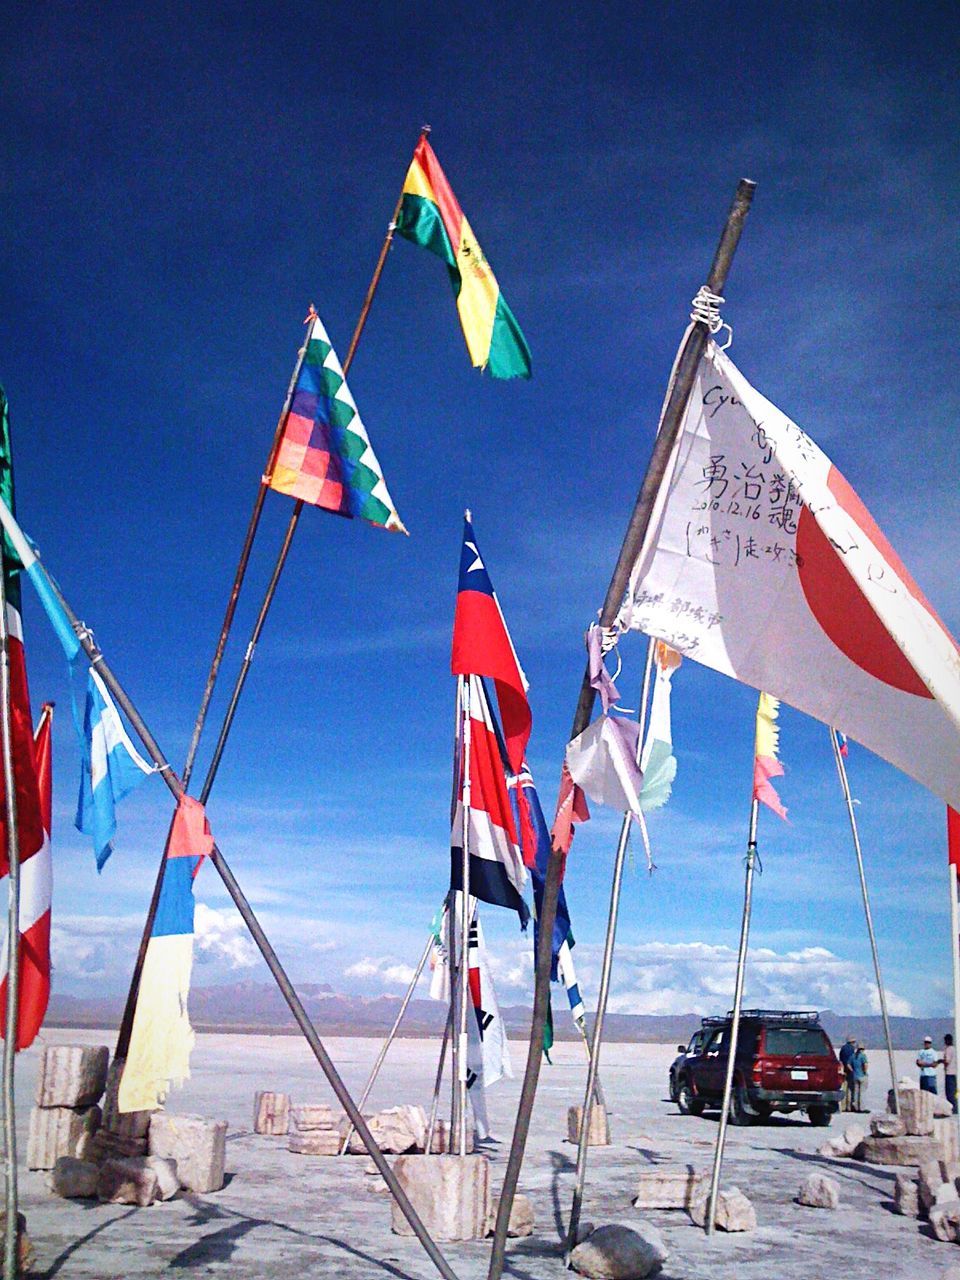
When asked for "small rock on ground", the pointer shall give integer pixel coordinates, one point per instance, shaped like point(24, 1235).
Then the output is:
point(616, 1252)
point(819, 1192)
point(734, 1211)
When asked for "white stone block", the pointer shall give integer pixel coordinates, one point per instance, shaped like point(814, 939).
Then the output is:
point(819, 1192)
point(60, 1131)
point(198, 1146)
point(74, 1179)
point(71, 1075)
point(271, 1113)
point(127, 1182)
point(945, 1133)
point(314, 1142)
point(522, 1219)
point(599, 1132)
point(125, 1124)
point(451, 1194)
point(906, 1195)
point(668, 1188)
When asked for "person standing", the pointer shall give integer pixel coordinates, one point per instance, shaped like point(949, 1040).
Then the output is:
point(858, 1072)
point(949, 1061)
point(928, 1062)
point(846, 1058)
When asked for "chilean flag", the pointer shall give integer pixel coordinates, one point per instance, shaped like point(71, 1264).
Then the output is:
point(482, 647)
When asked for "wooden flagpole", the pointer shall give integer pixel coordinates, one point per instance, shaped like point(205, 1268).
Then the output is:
point(126, 1023)
point(881, 992)
point(735, 1020)
point(603, 992)
point(384, 1049)
point(686, 369)
point(288, 991)
point(10, 1252)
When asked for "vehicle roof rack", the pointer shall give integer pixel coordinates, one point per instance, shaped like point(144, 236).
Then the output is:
point(800, 1016)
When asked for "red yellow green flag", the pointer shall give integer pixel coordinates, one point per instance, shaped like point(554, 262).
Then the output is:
point(430, 215)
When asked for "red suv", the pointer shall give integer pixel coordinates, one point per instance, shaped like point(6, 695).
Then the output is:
point(784, 1062)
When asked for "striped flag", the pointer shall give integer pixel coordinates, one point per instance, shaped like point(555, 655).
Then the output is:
point(161, 1038)
point(488, 1053)
point(430, 215)
point(36, 889)
point(766, 762)
point(110, 769)
point(497, 873)
point(325, 457)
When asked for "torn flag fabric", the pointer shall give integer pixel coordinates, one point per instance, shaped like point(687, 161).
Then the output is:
point(766, 763)
point(162, 1038)
point(761, 562)
point(603, 761)
point(657, 761)
point(430, 215)
point(325, 457)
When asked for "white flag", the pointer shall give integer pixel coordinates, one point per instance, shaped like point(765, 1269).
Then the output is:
point(762, 562)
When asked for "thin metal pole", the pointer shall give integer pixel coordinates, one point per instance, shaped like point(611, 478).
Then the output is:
point(597, 1087)
point(735, 1021)
point(372, 1079)
point(126, 1023)
point(448, 1027)
point(286, 987)
point(605, 972)
point(955, 952)
point(12, 1024)
point(686, 370)
point(463, 991)
point(881, 991)
point(244, 560)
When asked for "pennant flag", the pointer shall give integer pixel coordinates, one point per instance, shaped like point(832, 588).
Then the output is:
point(497, 873)
point(325, 457)
point(110, 769)
point(766, 764)
point(657, 761)
point(571, 809)
point(603, 761)
point(953, 837)
point(440, 956)
point(762, 563)
point(842, 744)
point(488, 1053)
point(431, 216)
point(29, 819)
point(482, 647)
point(36, 890)
point(25, 553)
point(162, 1038)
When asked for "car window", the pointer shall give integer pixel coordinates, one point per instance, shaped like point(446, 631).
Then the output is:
point(696, 1044)
point(716, 1041)
point(790, 1041)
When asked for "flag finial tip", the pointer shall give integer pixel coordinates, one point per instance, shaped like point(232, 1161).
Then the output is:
point(425, 128)
point(468, 515)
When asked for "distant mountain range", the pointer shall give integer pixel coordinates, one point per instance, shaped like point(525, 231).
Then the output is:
point(258, 1008)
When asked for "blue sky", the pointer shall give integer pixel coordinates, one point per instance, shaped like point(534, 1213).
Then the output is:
point(178, 186)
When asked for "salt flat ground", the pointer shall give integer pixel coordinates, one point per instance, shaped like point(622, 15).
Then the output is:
point(283, 1215)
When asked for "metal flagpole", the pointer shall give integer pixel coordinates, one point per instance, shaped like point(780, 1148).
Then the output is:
point(310, 1034)
point(10, 1253)
point(597, 1087)
point(604, 990)
point(848, 798)
point(735, 1021)
point(463, 990)
point(448, 1026)
point(955, 953)
point(372, 1079)
point(686, 370)
point(126, 1023)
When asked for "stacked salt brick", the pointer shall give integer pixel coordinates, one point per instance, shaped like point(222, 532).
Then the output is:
point(66, 1118)
point(313, 1131)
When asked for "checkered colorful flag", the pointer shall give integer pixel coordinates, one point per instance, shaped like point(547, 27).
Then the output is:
point(324, 456)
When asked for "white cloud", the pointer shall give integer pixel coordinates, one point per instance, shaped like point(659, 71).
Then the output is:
point(221, 939)
point(385, 970)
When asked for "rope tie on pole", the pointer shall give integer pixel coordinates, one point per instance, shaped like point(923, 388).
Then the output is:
point(754, 853)
point(706, 310)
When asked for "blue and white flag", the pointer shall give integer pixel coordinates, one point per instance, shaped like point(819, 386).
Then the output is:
point(111, 768)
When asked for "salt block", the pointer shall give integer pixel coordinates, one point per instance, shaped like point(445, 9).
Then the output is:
point(734, 1210)
point(130, 1181)
point(126, 1124)
point(945, 1133)
point(887, 1127)
point(616, 1252)
point(819, 1192)
point(198, 1146)
point(307, 1115)
point(451, 1194)
point(74, 1179)
point(916, 1111)
point(667, 1188)
point(945, 1220)
point(522, 1220)
point(115, 1146)
point(906, 1196)
point(315, 1142)
point(271, 1113)
point(396, 1131)
point(941, 1107)
point(930, 1175)
point(907, 1149)
point(168, 1180)
point(60, 1131)
point(71, 1075)
point(598, 1134)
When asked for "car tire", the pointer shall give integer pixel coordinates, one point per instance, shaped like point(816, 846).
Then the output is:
point(764, 1112)
point(688, 1102)
point(674, 1091)
point(820, 1117)
point(739, 1113)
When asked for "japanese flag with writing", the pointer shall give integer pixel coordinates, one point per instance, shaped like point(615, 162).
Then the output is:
point(761, 562)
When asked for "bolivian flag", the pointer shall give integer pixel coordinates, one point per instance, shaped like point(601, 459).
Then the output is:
point(430, 215)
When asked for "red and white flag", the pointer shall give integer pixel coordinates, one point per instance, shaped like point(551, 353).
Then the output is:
point(761, 562)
